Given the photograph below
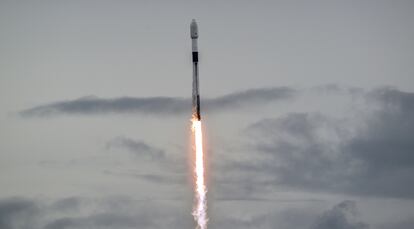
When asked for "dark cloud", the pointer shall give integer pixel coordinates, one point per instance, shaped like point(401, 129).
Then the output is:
point(385, 145)
point(158, 105)
point(164, 178)
point(143, 151)
point(170, 169)
point(393, 99)
point(369, 155)
point(63, 223)
point(67, 204)
point(398, 224)
point(332, 89)
point(295, 154)
point(139, 149)
point(248, 98)
point(341, 216)
point(93, 105)
point(13, 210)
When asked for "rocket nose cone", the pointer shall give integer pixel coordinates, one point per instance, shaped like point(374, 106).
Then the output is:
point(193, 23)
point(194, 29)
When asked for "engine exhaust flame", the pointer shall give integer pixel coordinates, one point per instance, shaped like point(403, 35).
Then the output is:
point(200, 208)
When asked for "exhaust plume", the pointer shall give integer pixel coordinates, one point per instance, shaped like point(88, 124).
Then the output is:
point(200, 208)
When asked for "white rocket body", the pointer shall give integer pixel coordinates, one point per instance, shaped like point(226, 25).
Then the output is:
point(196, 90)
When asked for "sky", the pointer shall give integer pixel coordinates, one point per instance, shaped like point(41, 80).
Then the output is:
point(307, 108)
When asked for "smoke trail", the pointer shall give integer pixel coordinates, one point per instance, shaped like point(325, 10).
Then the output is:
point(200, 208)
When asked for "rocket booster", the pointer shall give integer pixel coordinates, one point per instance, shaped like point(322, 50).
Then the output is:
point(196, 91)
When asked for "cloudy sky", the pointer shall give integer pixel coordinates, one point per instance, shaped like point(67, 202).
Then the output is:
point(308, 114)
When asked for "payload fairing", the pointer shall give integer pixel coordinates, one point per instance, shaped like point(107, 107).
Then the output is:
point(196, 91)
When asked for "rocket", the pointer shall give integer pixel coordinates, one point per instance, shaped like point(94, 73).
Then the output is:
point(196, 91)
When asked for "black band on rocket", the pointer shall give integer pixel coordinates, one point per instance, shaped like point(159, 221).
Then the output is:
point(195, 56)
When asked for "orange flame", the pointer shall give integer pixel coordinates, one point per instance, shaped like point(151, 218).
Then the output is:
point(200, 209)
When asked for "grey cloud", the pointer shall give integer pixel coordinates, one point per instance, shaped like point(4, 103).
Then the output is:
point(249, 98)
point(369, 156)
point(300, 158)
point(91, 105)
point(12, 210)
point(108, 212)
point(398, 224)
point(342, 216)
point(170, 167)
point(166, 178)
point(155, 178)
point(63, 223)
point(275, 158)
point(143, 151)
point(337, 89)
point(67, 163)
point(385, 147)
point(138, 148)
point(124, 214)
point(67, 204)
point(104, 220)
point(394, 99)
point(281, 152)
point(286, 219)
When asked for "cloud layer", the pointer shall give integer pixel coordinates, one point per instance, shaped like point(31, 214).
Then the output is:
point(128, 213)
point(372, 155)
point(366, 152)
point(78, 213)
point(342, 216)
point(158, 105)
